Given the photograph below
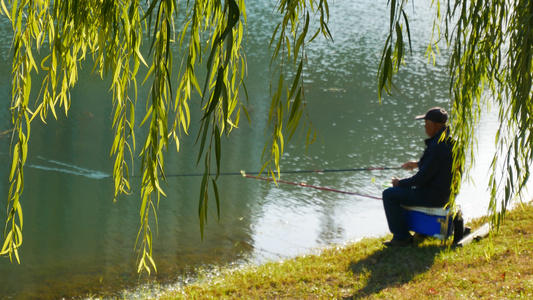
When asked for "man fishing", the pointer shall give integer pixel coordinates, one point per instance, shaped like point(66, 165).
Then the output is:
point(430, 186)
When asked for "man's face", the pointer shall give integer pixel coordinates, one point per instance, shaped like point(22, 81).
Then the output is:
point(431, 128)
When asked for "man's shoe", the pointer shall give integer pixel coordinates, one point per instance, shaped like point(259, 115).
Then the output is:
point(399, 243)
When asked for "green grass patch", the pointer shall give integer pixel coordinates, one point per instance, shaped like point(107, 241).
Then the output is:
point(497, 267)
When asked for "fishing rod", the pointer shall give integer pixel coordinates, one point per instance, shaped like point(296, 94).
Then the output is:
point(294, 171)
point(303, 184)
point(99, 175)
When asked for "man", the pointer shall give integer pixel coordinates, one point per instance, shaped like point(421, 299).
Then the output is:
point(430, 186)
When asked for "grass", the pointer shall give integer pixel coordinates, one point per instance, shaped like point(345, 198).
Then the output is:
point(497, 267)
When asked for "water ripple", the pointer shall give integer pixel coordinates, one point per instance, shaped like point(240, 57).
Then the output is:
point(70, 169)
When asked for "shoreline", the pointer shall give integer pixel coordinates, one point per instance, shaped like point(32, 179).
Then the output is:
point(248, 280)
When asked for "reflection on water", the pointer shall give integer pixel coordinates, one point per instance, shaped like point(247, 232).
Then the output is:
point(76, 241)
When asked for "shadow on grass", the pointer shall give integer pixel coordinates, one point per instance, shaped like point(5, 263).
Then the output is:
point(389, 267)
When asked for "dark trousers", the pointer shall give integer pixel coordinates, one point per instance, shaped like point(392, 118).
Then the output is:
point(393, 199)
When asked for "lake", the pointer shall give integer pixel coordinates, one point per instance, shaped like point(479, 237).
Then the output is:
point(78, 242)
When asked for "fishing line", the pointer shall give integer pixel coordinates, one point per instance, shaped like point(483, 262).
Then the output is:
point(292, 171)
point(302, 184)
point(99, 175)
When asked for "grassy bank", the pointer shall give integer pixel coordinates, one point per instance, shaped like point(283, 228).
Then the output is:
point(497, 267)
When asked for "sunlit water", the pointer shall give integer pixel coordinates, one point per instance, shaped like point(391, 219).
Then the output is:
point(78, 242)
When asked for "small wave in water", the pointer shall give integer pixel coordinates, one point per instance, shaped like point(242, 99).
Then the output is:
point(70, 169)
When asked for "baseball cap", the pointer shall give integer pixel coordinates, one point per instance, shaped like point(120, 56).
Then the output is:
point(435, 114)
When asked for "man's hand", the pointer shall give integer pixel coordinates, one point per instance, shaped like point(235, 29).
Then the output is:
point(395, 181)
point(410, 165)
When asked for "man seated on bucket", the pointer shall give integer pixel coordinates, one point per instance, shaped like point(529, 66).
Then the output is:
point(430, 186)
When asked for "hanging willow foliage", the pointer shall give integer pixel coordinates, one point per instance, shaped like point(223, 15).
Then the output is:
point(110, 34)
point(491, 63)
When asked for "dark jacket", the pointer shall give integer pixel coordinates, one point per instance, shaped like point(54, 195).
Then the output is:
point(434, 177)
